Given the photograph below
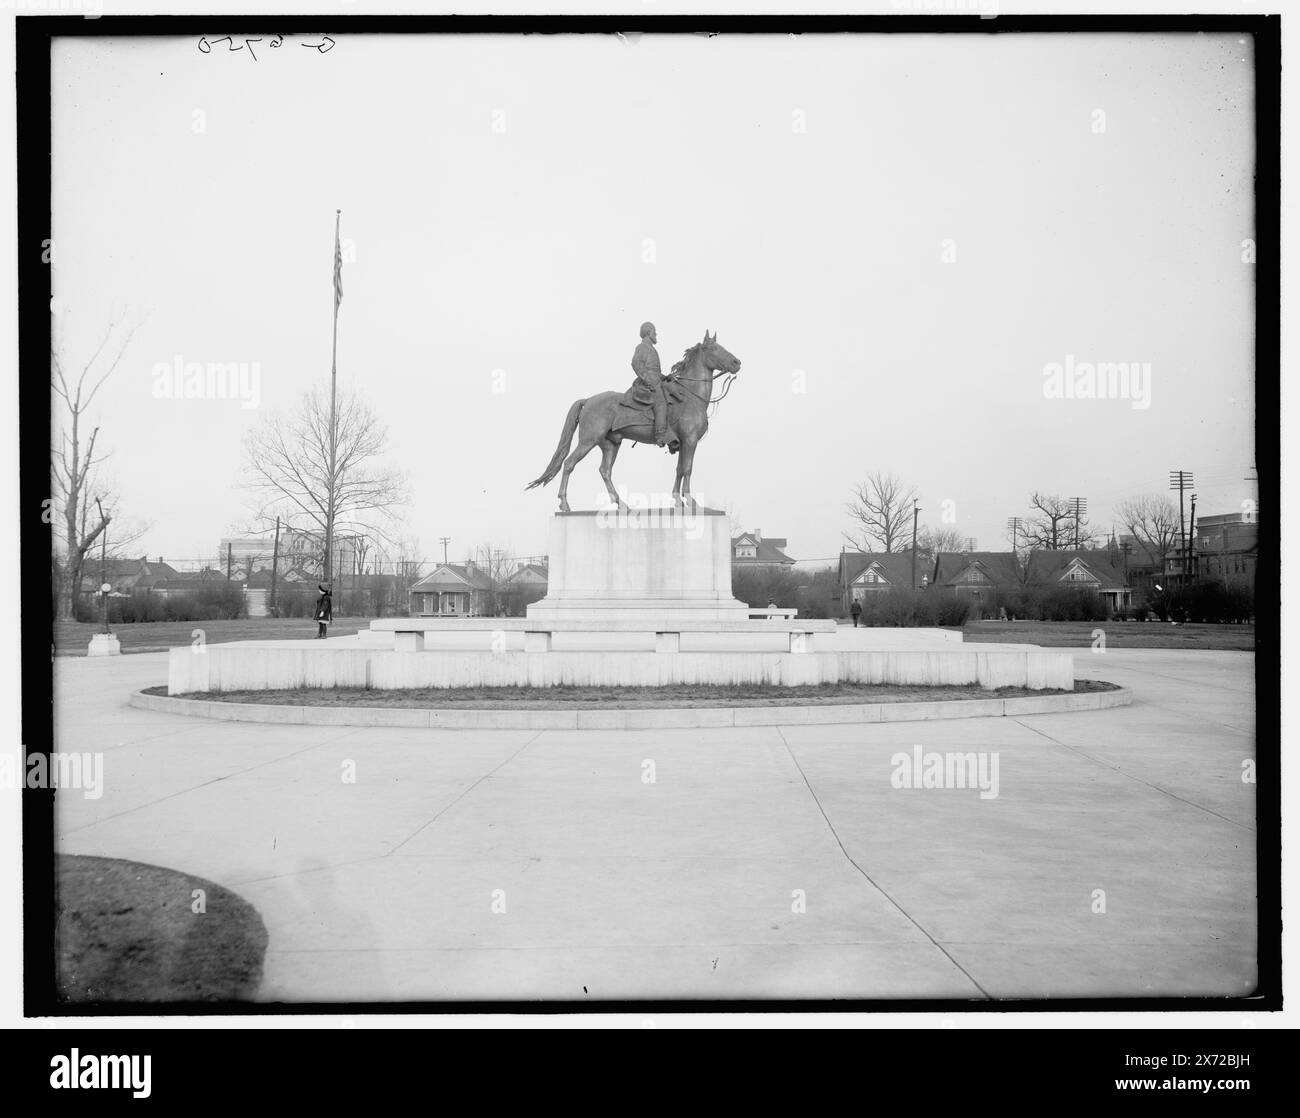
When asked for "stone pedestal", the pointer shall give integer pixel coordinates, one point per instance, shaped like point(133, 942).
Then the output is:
point(650, 565)
point(104, 644)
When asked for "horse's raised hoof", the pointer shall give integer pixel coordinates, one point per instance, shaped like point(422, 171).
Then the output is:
point(564, 505)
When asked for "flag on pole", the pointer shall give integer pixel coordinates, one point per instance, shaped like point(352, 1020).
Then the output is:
point(338, 268)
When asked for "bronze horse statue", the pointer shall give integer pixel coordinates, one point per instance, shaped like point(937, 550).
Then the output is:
point(605, 420)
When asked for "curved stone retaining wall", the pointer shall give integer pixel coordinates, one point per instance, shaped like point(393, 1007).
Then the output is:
point(266, 667)
point(654, 718)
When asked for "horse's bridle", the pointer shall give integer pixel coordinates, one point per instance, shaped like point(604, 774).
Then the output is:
point(708, 400)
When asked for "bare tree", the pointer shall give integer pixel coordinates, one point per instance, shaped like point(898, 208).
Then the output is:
point(495, 563)
point(1153, 522)
point(882, 508)
point(734, 524)
point(287, 464)
point(407, 564)
point(933, 541)
point(1054, 527)
point(397, 561)
point(74, 462)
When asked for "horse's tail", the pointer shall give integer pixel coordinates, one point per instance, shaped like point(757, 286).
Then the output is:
point(566, 437)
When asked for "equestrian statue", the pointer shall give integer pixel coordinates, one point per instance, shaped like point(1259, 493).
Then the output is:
point(669, 411)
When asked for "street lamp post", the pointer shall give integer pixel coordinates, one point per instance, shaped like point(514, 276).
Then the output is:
point(104, 644)
point(104, 585)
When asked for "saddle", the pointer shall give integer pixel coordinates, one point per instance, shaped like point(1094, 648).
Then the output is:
point(636, 409)
point(640, 396)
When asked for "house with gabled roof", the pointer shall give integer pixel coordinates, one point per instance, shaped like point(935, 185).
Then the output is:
point(125, 575)
point(529, 575)
point(753, 549)
point(862, 573)
point(452, 590)
point(1098, 571)
point(977, 573)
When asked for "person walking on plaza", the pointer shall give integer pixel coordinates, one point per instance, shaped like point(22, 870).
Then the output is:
point(324, 611)
point(856, 610)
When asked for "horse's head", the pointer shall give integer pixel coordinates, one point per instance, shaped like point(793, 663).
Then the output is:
point(715, 357)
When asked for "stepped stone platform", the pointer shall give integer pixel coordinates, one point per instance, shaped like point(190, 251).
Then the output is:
point(913, 657)
point(634, 599)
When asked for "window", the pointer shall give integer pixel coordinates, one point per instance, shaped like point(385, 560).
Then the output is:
point(746, 551)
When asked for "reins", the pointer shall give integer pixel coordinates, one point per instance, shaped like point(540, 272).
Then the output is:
point(708, 400)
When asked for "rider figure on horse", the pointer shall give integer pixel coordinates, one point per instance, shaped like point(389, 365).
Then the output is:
point(650, 387)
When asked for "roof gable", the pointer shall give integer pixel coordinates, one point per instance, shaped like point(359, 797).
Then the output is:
point(1078, 568)
point(976, 568)
point(454, 574)
point(891, 568)
point(765, 550)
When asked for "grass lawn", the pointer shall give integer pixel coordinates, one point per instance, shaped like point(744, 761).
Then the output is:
point(71, 638)
point(624, 698)
point(127, 932)
point(1119, 634)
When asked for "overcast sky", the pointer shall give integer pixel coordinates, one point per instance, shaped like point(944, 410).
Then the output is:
point(896, 234)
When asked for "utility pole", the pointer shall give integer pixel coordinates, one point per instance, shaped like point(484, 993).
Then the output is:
point(1078, 506)
point(916, 512)
point(444, 540)
point(230, 559)
point(1189, 560)
point(1014, 523)
point(275, 562)
point(1180, 480)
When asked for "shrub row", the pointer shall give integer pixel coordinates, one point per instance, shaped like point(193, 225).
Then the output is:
point(1204, 602)
point(904, 609)
point(216, 602)
point(1209, 602)
point(1055, 603)
point(812, 593)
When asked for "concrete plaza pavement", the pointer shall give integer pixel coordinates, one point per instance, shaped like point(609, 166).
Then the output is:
point(767, 862)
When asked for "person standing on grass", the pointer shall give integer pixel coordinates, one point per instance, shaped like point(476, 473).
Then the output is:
point(324, 611)
point(856, 610)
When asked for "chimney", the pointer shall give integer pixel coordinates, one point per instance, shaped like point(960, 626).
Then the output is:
point(758, 534)
point(160, 559)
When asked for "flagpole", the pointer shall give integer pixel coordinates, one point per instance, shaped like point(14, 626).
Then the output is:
point(334, 377)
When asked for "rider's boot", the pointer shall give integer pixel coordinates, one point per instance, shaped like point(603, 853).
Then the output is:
point(661, 420)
